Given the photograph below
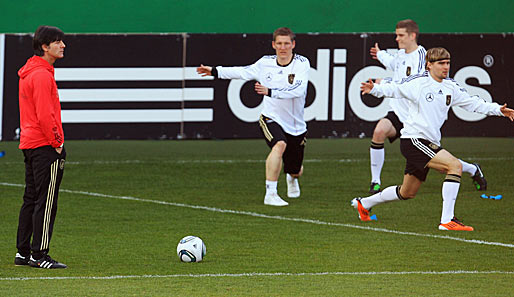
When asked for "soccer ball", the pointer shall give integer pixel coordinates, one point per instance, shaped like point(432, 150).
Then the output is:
point(191, 249)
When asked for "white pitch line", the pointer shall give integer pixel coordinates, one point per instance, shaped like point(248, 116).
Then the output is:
point(281, 218)
point(252, 274)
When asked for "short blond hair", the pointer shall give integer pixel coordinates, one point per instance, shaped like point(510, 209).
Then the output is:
point(436, 54)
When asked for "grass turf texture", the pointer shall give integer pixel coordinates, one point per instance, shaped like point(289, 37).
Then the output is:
point(105, 236)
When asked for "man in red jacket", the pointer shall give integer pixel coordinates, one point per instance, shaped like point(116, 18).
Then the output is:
point(41, 141)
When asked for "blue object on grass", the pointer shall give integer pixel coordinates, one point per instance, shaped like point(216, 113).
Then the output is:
point(2, 153)
point(497, 197)
point(373, 217)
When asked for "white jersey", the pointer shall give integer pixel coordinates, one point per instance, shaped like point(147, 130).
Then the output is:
point(288, 86)
point(403, 65)
point(430, 102)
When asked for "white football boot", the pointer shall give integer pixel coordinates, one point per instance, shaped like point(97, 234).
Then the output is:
point(274, 200)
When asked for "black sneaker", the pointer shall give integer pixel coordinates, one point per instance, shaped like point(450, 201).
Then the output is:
point(479, 179)
point(374, 188)
point(46, 262)
point(19, 260)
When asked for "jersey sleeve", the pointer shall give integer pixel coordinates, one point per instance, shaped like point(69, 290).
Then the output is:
point(474, 103)
point(45, 108)
point(250, 72)
point(398, 91)
point(386, 59)
point(421, 59)
point(299, 86)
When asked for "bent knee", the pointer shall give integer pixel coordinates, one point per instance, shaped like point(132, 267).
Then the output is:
point(455, 166)
point(405, 195)
point(379, 135)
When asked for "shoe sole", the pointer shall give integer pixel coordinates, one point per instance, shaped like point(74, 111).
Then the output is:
point(275, 204)
point(445, 229)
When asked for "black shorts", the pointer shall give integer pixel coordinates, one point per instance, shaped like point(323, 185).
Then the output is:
point(397, 124)
point(293, 156)
point(418, 153)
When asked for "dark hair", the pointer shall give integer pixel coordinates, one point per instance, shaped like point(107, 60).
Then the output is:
point(45, 35)
point(410, 26)
point(283, 31)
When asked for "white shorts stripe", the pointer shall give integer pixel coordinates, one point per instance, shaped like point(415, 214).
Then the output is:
point(418, 144)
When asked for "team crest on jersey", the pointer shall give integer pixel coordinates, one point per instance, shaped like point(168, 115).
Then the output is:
point(448, 99)
point(429, 97)
point(290, 78)
point(433, 146)
point(269, 76)
point(408, 71)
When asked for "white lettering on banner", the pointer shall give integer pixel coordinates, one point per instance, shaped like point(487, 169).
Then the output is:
point(483, 79)
point(318, 110)
point(319, 78)
point(339, 86)
point(241, 111)
point(358, 107)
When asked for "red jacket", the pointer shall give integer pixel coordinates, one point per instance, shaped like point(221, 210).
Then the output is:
point(40, 109)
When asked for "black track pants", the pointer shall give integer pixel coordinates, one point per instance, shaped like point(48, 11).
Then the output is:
point(44, 168)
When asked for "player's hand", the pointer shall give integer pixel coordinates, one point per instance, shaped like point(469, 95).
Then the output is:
point(373, 51)
point(507, 111)
point(366, 87)
point(204, 70)
point(260, 89)
point(58, 150)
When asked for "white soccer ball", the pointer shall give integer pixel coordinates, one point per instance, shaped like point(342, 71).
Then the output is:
point(191, 249)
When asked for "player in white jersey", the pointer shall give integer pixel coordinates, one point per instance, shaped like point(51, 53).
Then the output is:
point(283, 80)
point(409, 60)
point(431, 96)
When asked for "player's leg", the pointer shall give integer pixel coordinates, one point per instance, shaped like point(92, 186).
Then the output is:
point(277, 141)
point(445, 162)
point(415, 174)
point(476, 173)
point(293, 159)
point(383, 130)
point(48, 168)
point(25, 218)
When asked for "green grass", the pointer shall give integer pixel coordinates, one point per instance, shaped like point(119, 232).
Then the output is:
point(107, 236)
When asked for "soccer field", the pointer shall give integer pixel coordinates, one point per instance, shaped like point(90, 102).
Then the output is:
point(124, 205)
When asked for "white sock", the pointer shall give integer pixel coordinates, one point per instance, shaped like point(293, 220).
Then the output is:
point(271, 187)
point(469, 168)
point(387, 195)
point(289, 178)
point(450, 192)
point(376, 157)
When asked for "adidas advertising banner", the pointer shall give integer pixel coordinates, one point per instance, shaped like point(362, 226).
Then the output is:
point(146, 86)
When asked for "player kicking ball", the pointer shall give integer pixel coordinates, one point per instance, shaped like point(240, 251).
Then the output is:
point(431, 94)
